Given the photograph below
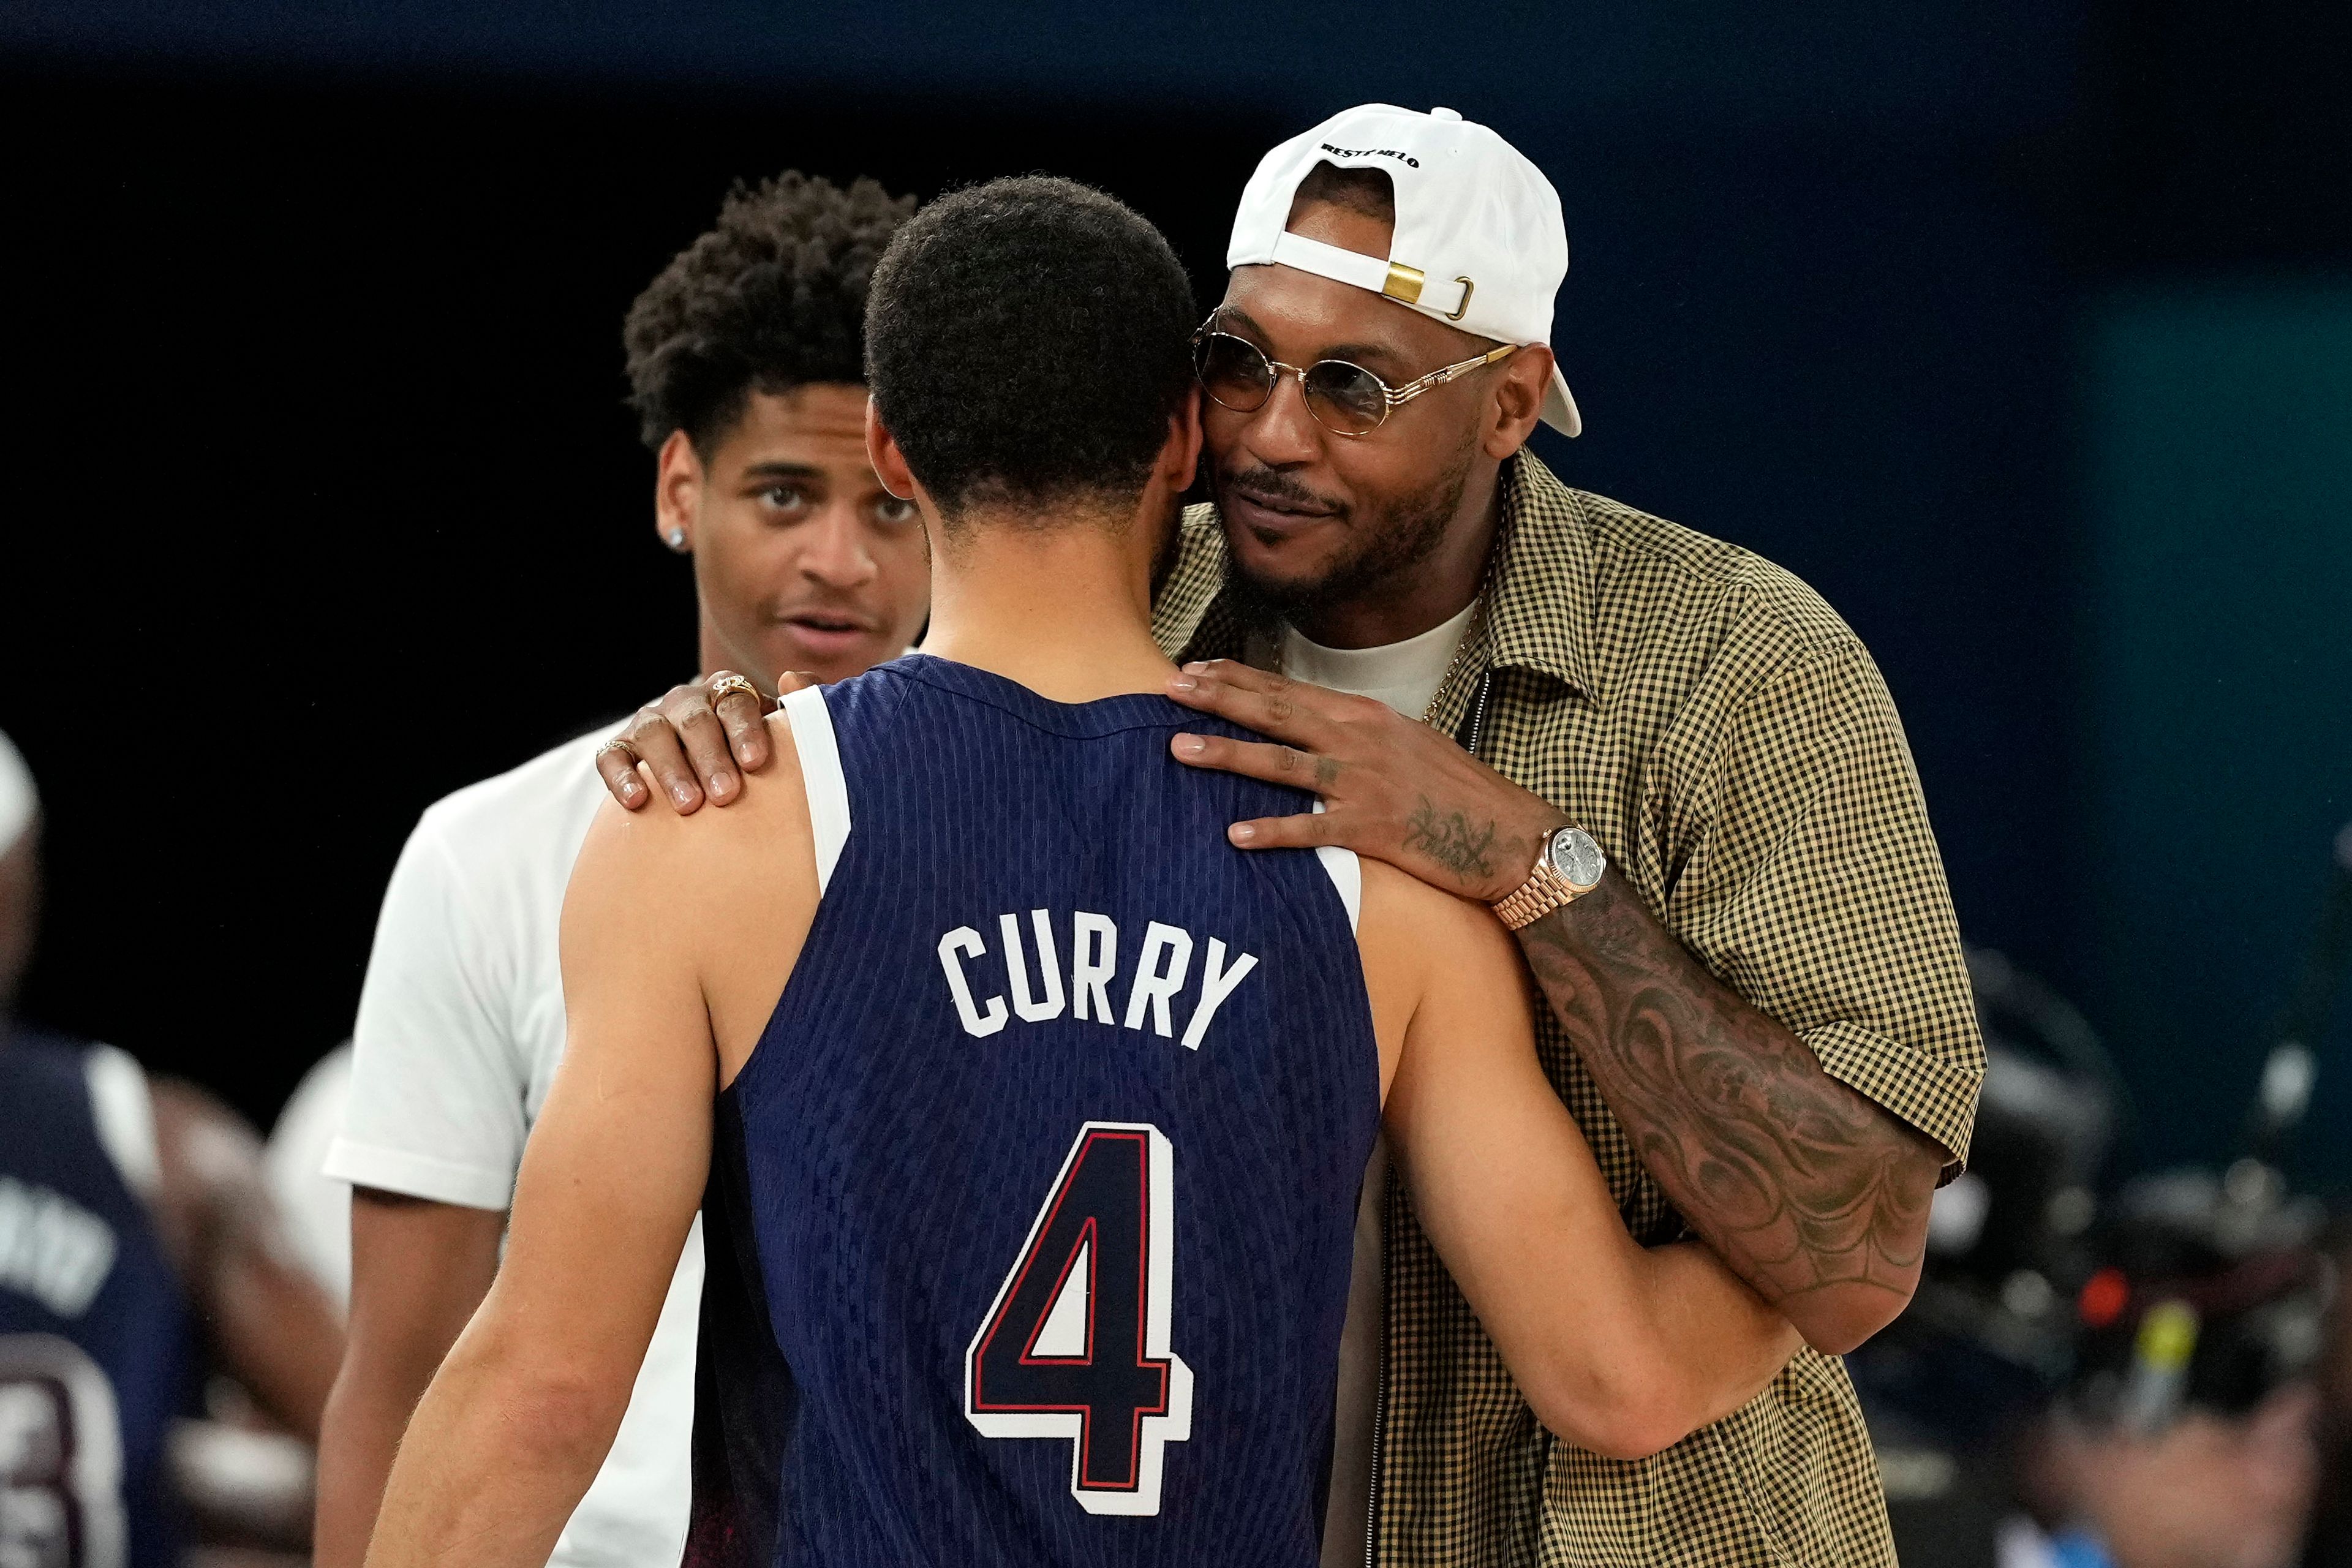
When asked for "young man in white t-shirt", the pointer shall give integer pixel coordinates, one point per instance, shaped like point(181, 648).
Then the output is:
point(746, 365)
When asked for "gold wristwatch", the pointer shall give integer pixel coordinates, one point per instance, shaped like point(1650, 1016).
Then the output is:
point(1568, 867)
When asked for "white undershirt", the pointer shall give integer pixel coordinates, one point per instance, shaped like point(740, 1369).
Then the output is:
point(1406, 676)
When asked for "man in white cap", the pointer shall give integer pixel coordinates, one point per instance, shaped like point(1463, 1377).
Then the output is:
point(1670, 767)
point(1705, 828)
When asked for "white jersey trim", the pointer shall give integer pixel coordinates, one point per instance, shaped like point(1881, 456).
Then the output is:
point(821, 776)
point(125, 1113)
point(1347, 874)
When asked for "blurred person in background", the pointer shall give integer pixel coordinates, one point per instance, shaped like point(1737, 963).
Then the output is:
point(137, 1241)
point(746, 373)
point(318, 1207)
point(2152, 1376)
point(2186, 1436)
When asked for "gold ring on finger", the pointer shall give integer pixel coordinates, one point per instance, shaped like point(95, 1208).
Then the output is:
point(727, 683)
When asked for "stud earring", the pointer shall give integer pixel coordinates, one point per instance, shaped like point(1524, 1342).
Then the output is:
point(676, 540)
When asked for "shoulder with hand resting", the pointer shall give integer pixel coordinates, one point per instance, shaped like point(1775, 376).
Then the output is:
point(651, 871)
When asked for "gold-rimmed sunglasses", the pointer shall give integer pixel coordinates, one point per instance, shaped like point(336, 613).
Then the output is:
point(1344, 398)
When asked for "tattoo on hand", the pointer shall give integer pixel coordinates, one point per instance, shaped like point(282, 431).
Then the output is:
point(1451, 840)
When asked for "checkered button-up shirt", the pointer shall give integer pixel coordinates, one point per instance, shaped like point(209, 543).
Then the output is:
point(1730, 744)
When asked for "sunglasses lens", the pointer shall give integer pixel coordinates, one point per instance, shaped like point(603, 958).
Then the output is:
point(1232, 372)
point(1345, 397)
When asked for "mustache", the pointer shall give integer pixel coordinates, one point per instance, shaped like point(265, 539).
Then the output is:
point(1261, 483)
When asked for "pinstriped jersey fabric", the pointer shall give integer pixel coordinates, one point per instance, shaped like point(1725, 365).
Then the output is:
point(1730, 744)
point(1031, 1214)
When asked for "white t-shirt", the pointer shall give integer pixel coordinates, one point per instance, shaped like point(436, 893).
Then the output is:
point(460, 1028)
point(1404, 675)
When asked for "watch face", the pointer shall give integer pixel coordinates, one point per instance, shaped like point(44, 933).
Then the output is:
point(1575, 856)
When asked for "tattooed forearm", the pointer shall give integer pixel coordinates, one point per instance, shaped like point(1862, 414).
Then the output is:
point(1816, 1196)
point(1452, 840)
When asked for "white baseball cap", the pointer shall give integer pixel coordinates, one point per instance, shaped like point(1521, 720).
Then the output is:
point(1479, 243)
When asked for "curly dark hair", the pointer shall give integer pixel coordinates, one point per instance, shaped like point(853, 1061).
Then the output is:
point(1026, 341)
point(772, 298)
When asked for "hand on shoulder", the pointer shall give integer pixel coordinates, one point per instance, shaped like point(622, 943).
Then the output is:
point(650, 878)
point(768, 802)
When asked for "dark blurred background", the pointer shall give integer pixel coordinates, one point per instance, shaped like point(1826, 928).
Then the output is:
point(2020, 329)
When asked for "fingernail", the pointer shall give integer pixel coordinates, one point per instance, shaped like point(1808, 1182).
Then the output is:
point(1243, 833)
point(1183, 683)
point(682, 795)
point(719, 784)
point(631, 789)
point(1190, 745)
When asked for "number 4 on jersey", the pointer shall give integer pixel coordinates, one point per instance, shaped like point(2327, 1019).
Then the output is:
point(1075, 1344)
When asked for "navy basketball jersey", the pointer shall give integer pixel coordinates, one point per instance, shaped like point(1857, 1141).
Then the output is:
point(93, 1328)
point(1030, 1215)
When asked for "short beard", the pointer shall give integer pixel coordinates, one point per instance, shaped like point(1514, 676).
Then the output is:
point(1401, 538)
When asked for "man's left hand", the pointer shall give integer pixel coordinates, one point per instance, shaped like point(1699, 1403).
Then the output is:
point(1393, 788)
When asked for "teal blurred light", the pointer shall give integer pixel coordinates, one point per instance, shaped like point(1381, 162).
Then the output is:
point(2220, 422)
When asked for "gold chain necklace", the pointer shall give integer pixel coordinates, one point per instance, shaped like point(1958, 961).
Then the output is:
point(1461, 656)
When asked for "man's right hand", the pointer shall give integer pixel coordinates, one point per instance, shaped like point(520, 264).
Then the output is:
point(695, 746)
